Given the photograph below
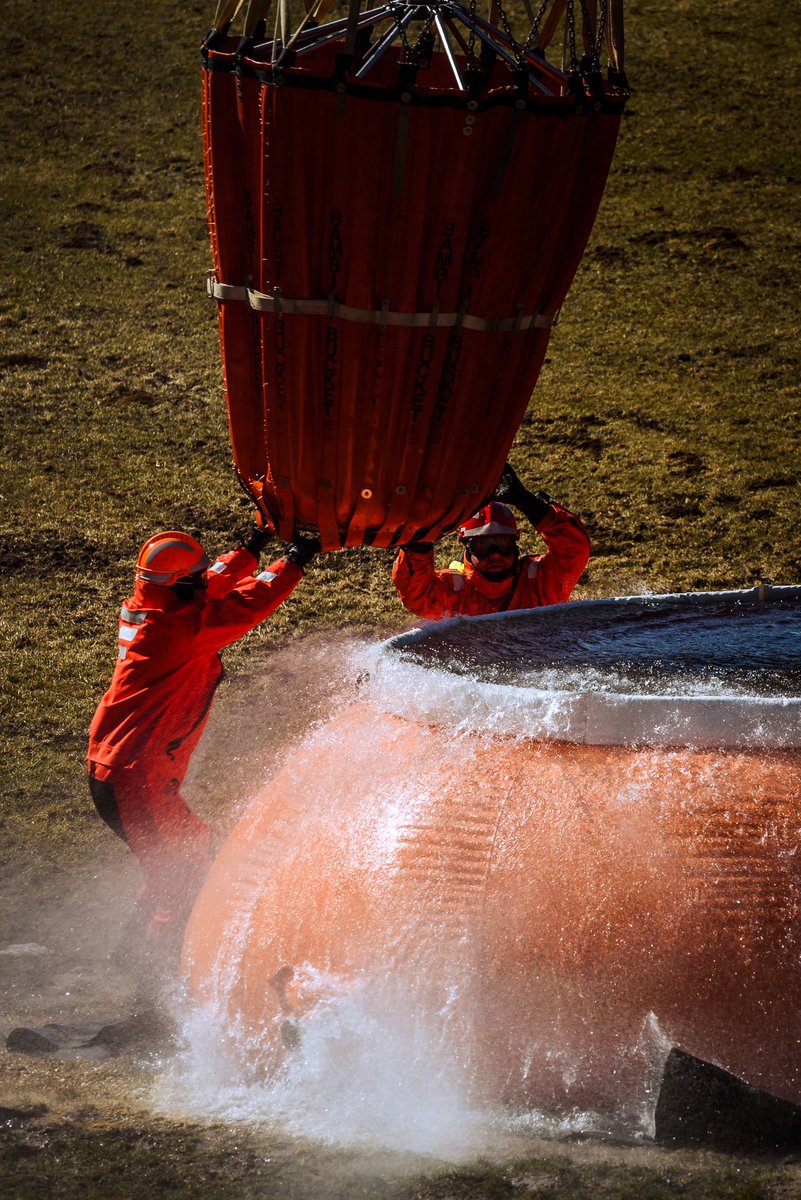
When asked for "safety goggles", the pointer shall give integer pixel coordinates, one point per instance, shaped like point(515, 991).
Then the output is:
point(485, 546)
point(197, 581)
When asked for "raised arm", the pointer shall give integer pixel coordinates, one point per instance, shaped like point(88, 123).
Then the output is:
point(422, 590)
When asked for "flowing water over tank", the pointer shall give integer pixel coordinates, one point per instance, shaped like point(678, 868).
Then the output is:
point(547, 841)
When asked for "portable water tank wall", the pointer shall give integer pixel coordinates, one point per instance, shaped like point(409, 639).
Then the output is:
point(548, 904)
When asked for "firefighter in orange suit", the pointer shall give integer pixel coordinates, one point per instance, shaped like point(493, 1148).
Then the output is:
point(184, 610)
point(493, 576)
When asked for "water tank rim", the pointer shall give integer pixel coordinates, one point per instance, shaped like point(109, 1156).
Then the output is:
point(611, 718)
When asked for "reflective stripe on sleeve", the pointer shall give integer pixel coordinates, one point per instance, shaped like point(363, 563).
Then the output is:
point(219, 567)
point(268, 576)
point(127, 634)
point(134, 616)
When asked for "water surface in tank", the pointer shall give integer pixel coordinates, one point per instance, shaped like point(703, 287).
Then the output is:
point(715, 645)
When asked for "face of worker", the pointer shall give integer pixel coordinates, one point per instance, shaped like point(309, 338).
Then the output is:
point(493, 554)
point(192, 587)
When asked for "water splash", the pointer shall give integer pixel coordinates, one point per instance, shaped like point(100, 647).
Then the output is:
point(364, 1070)
point(369, 1072)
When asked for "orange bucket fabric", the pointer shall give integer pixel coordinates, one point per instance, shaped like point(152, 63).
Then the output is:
point(388, 265)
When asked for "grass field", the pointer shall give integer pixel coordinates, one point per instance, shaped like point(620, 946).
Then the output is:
point(668, 416)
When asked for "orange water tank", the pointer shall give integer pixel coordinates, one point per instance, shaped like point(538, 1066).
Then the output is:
point(550, 906)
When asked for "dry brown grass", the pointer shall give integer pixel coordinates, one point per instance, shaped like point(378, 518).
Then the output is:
point(667, 414)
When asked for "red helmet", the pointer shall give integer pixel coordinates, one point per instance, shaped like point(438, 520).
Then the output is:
point(167, 557)
point(492, 518)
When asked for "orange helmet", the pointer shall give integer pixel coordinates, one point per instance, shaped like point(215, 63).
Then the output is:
point(492, 518)
point(167, 557)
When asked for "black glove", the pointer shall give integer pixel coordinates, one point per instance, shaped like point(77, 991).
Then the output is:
point(256, 539)
point(510, 490)
point(418, 547)
point(302, 550)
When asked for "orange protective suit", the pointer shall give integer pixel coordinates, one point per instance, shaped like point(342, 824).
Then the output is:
point(462, 591)
point(150, 720)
